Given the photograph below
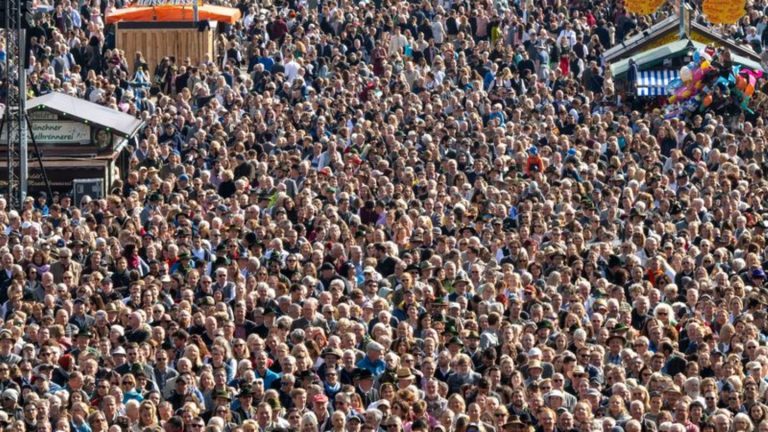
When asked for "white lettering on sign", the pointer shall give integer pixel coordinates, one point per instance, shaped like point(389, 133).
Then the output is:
point(59, 132)
point(151, 3)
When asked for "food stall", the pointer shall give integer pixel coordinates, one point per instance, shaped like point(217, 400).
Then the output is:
point(165, 28)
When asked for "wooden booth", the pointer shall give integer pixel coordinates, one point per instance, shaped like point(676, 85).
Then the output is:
point(80, 143)
point(178, 28)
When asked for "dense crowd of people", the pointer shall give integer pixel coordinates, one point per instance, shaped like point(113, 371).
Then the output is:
point(390, 216)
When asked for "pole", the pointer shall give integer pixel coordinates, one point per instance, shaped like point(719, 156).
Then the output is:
point(23, 151)
point(38, 155)
point(681, 15)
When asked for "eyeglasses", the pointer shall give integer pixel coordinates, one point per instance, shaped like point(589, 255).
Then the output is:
point(197, 425)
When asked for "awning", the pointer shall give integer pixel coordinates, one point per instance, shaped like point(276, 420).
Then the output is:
point(120, 123)
point(654, 82)
point(656, 56)
point(175, 13)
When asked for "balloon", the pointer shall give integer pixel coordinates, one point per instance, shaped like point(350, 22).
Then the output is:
point(707, 100)
point(696, 57)
point(705, 64)
point(685, 74)
point(674, 85)
point(698, 74)
point(741, 83)
point(750, 90)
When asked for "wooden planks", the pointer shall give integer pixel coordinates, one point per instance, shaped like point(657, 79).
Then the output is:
point(156, 43)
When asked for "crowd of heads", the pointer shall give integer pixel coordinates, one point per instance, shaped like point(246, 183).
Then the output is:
point(390, 216)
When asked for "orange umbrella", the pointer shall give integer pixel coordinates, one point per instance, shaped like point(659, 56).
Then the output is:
point(175, 13)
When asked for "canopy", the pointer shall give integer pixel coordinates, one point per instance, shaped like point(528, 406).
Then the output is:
point(174, 13)
point(654, 82)
point(120, 123)
point(656, 56)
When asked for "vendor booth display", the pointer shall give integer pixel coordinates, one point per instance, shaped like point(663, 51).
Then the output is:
point(177, 29)
point(712, 81)
point(77, 140)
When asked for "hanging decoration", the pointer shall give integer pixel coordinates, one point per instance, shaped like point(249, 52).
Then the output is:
point(724, 11)
point(643, 7)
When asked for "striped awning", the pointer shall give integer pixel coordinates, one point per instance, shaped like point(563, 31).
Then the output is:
point(654, 82)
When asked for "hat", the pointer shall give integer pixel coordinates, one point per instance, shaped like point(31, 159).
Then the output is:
point(513, 421)
point(455, 341)
point(461, 278)
point(535, 364)
point(617, 336)
point(375, 346)
point(320, 398)
point(579, 371)
point(555, 393)
point(404, 373)
point(594, 392)
point(245, 391)
point(620, 328)
point(332, 351)
point(355, 417)
point(361, 374)
point(222, 394)
point(11, 393)
point(118, 351)
point(327, 266)
point(758, 273)
point(426, 265)
point(206, 301)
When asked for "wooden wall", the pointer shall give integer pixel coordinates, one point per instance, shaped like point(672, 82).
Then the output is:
point(157, 42)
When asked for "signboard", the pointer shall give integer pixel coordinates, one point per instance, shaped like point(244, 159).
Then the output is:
point(61, 178)
point(58, 132)
point(153, 3)
point(93, 187)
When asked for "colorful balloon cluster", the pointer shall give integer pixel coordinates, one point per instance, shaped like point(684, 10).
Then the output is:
point(693, 91)
point(691, 79)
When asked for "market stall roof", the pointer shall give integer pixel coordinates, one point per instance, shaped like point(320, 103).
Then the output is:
point(120, 123)
point(175, 13)
point(668, 30)
point(649, 59)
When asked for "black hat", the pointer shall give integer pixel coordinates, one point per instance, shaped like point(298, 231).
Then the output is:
point(245, 391)
point(455, 340)
point(361, 374)
point(327, 266)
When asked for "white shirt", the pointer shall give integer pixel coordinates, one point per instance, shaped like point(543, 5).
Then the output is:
point(291, 71)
